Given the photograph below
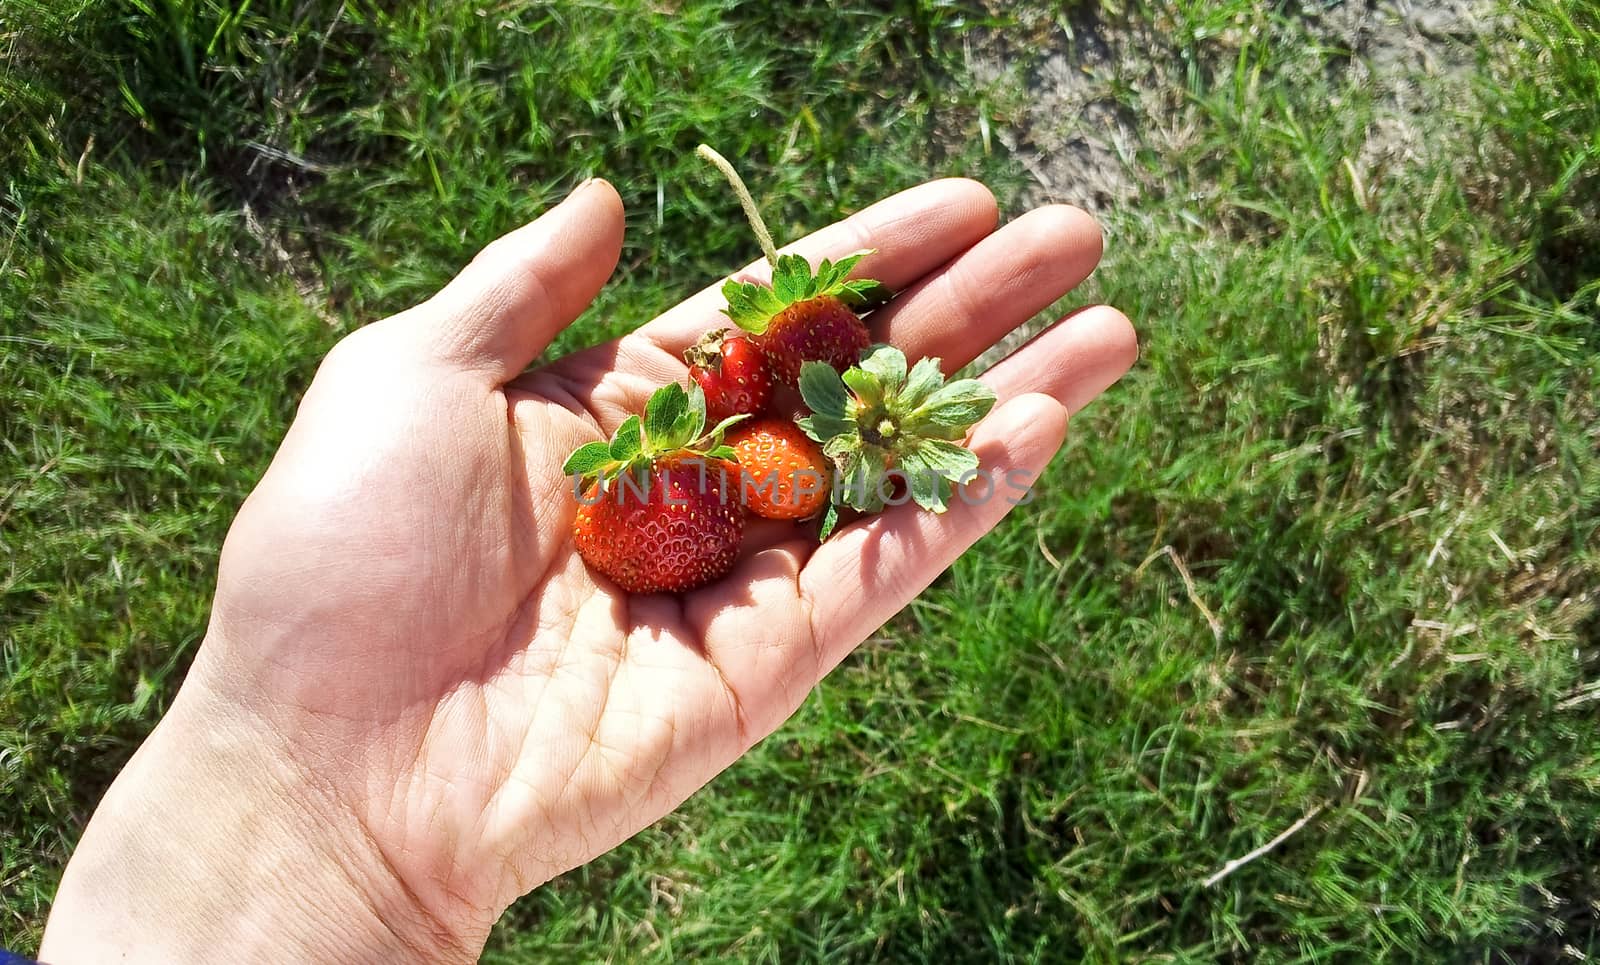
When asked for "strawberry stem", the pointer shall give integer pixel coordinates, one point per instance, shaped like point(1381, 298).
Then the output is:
point(745, 200)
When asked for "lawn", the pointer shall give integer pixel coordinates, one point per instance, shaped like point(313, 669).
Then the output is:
point(1325, 564)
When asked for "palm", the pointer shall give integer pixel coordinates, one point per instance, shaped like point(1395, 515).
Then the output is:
point(420, 620)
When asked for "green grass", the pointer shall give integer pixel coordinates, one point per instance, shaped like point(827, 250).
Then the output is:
point(1364, 423)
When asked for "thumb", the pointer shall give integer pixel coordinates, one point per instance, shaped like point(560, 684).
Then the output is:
point(500, 312)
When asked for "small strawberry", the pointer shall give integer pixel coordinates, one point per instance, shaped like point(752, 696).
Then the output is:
point(782, 473)
point(733, 374)
point(883, 426)
point(801, 316)
point(658, 516)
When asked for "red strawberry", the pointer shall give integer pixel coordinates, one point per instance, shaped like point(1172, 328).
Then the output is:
point(801, 316)
point(782, 473)
point(733, 374)
point(681, 533)
point(821, 329)
point(658, 516)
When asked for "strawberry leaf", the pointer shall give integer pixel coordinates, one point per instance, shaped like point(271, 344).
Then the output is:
point(693, 418)
point(866, 386)
point(841, 444)
point(716, 433)
point(830, 519)
point(588, 460)
point(828, 275)
point(924, 380)
point(824, 428)
point(791, 279)
point(863, 292)
point(707, 352)
point(638, 475)
point(831, 277)
point(947, 459)
point(823, 390)
point(952, 410)
point(888, 365)
point(662, 417)
point(729, 423)
point(723, 452)
point(626, 442)
point(926, 484)
point(857, 482)
point(752, 305)
point(844, 266)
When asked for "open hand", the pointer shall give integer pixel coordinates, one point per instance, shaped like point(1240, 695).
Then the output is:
point(415, 704)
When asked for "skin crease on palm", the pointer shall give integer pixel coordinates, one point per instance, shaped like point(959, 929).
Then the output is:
point(415, 704)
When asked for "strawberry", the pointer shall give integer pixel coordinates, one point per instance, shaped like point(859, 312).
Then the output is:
point(782, 473)
point(657, 516)
point(884, 426)
point(800, 316)
point(819, 329)
point(682, 534)
point(733, 374)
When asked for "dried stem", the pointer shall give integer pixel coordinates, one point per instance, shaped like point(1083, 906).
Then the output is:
point(745, 200)
point(1238, 863)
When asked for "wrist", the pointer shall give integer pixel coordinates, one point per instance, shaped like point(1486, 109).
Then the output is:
point(209, 846)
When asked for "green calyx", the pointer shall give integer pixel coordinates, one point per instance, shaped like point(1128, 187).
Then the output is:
point(673, 425)
point(879, 417)
point(753, 305)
